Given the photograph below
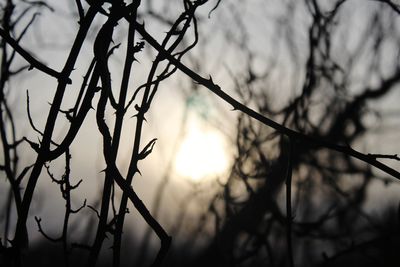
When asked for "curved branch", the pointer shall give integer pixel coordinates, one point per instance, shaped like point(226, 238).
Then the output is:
point(305, 140)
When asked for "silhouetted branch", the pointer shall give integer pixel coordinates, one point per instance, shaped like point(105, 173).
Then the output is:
point(95, 210)
point(307, 148)
point(20, 234)
point(34, 63)
point(28, 111)
point(24, 31)
point(178, 33)
point(141, 208)
point(309, 141)
point(289, 215)
point(214, 8)
point(382, 156)
point(38, 222)
point(79, 6)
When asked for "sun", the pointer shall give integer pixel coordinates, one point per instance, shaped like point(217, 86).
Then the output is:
point(202, 154)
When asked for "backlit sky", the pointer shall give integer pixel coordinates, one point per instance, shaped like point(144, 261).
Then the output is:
point(171, 116)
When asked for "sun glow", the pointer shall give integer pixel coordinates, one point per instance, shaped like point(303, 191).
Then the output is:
point(202, 154)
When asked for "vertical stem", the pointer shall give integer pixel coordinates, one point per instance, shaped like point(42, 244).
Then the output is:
point(118, 126)
point(67, 195)
point(135, 156)
point(8, 216)
point(20, 234)
point(9, 152)
point(289, 204)
point(110, 153)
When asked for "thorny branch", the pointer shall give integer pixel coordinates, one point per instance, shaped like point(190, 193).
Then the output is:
point(99, 72)
point(305, 140)
point(34, 62)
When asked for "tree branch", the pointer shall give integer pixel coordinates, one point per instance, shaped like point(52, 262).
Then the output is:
point(28, 57)
point(305, 140)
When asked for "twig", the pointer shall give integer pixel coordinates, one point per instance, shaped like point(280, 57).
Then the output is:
point(28, 111)
point(214, 8)
point(93, 209)
point(80, 9)
point(289, 204)
point(38, 221)
point(34, 62)
point(383, 156)
point(80, 208)
point(25, 30)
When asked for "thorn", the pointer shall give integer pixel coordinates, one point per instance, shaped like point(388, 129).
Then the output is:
point(33, 145)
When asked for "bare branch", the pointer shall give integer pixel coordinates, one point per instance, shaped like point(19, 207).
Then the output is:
point(23, 173)
point(93, 209)
point(79, 209)
point(29, 115)
point(383, 156)
point(309, 141)
point(80, 9)
point(34, 62)
point(289, 218)
point(38, 221)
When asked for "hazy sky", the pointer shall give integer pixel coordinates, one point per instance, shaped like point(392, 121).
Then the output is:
point(222, 52)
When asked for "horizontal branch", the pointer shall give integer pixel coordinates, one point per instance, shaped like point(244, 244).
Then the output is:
point(31, 60)
point(306, 140)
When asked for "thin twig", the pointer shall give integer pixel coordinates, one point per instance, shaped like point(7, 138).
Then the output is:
point(289, 203)
point(28, 57)
point(384, 156)
point(93, 209)
point(38, 221)
point(80, 9)
point(29, 115)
